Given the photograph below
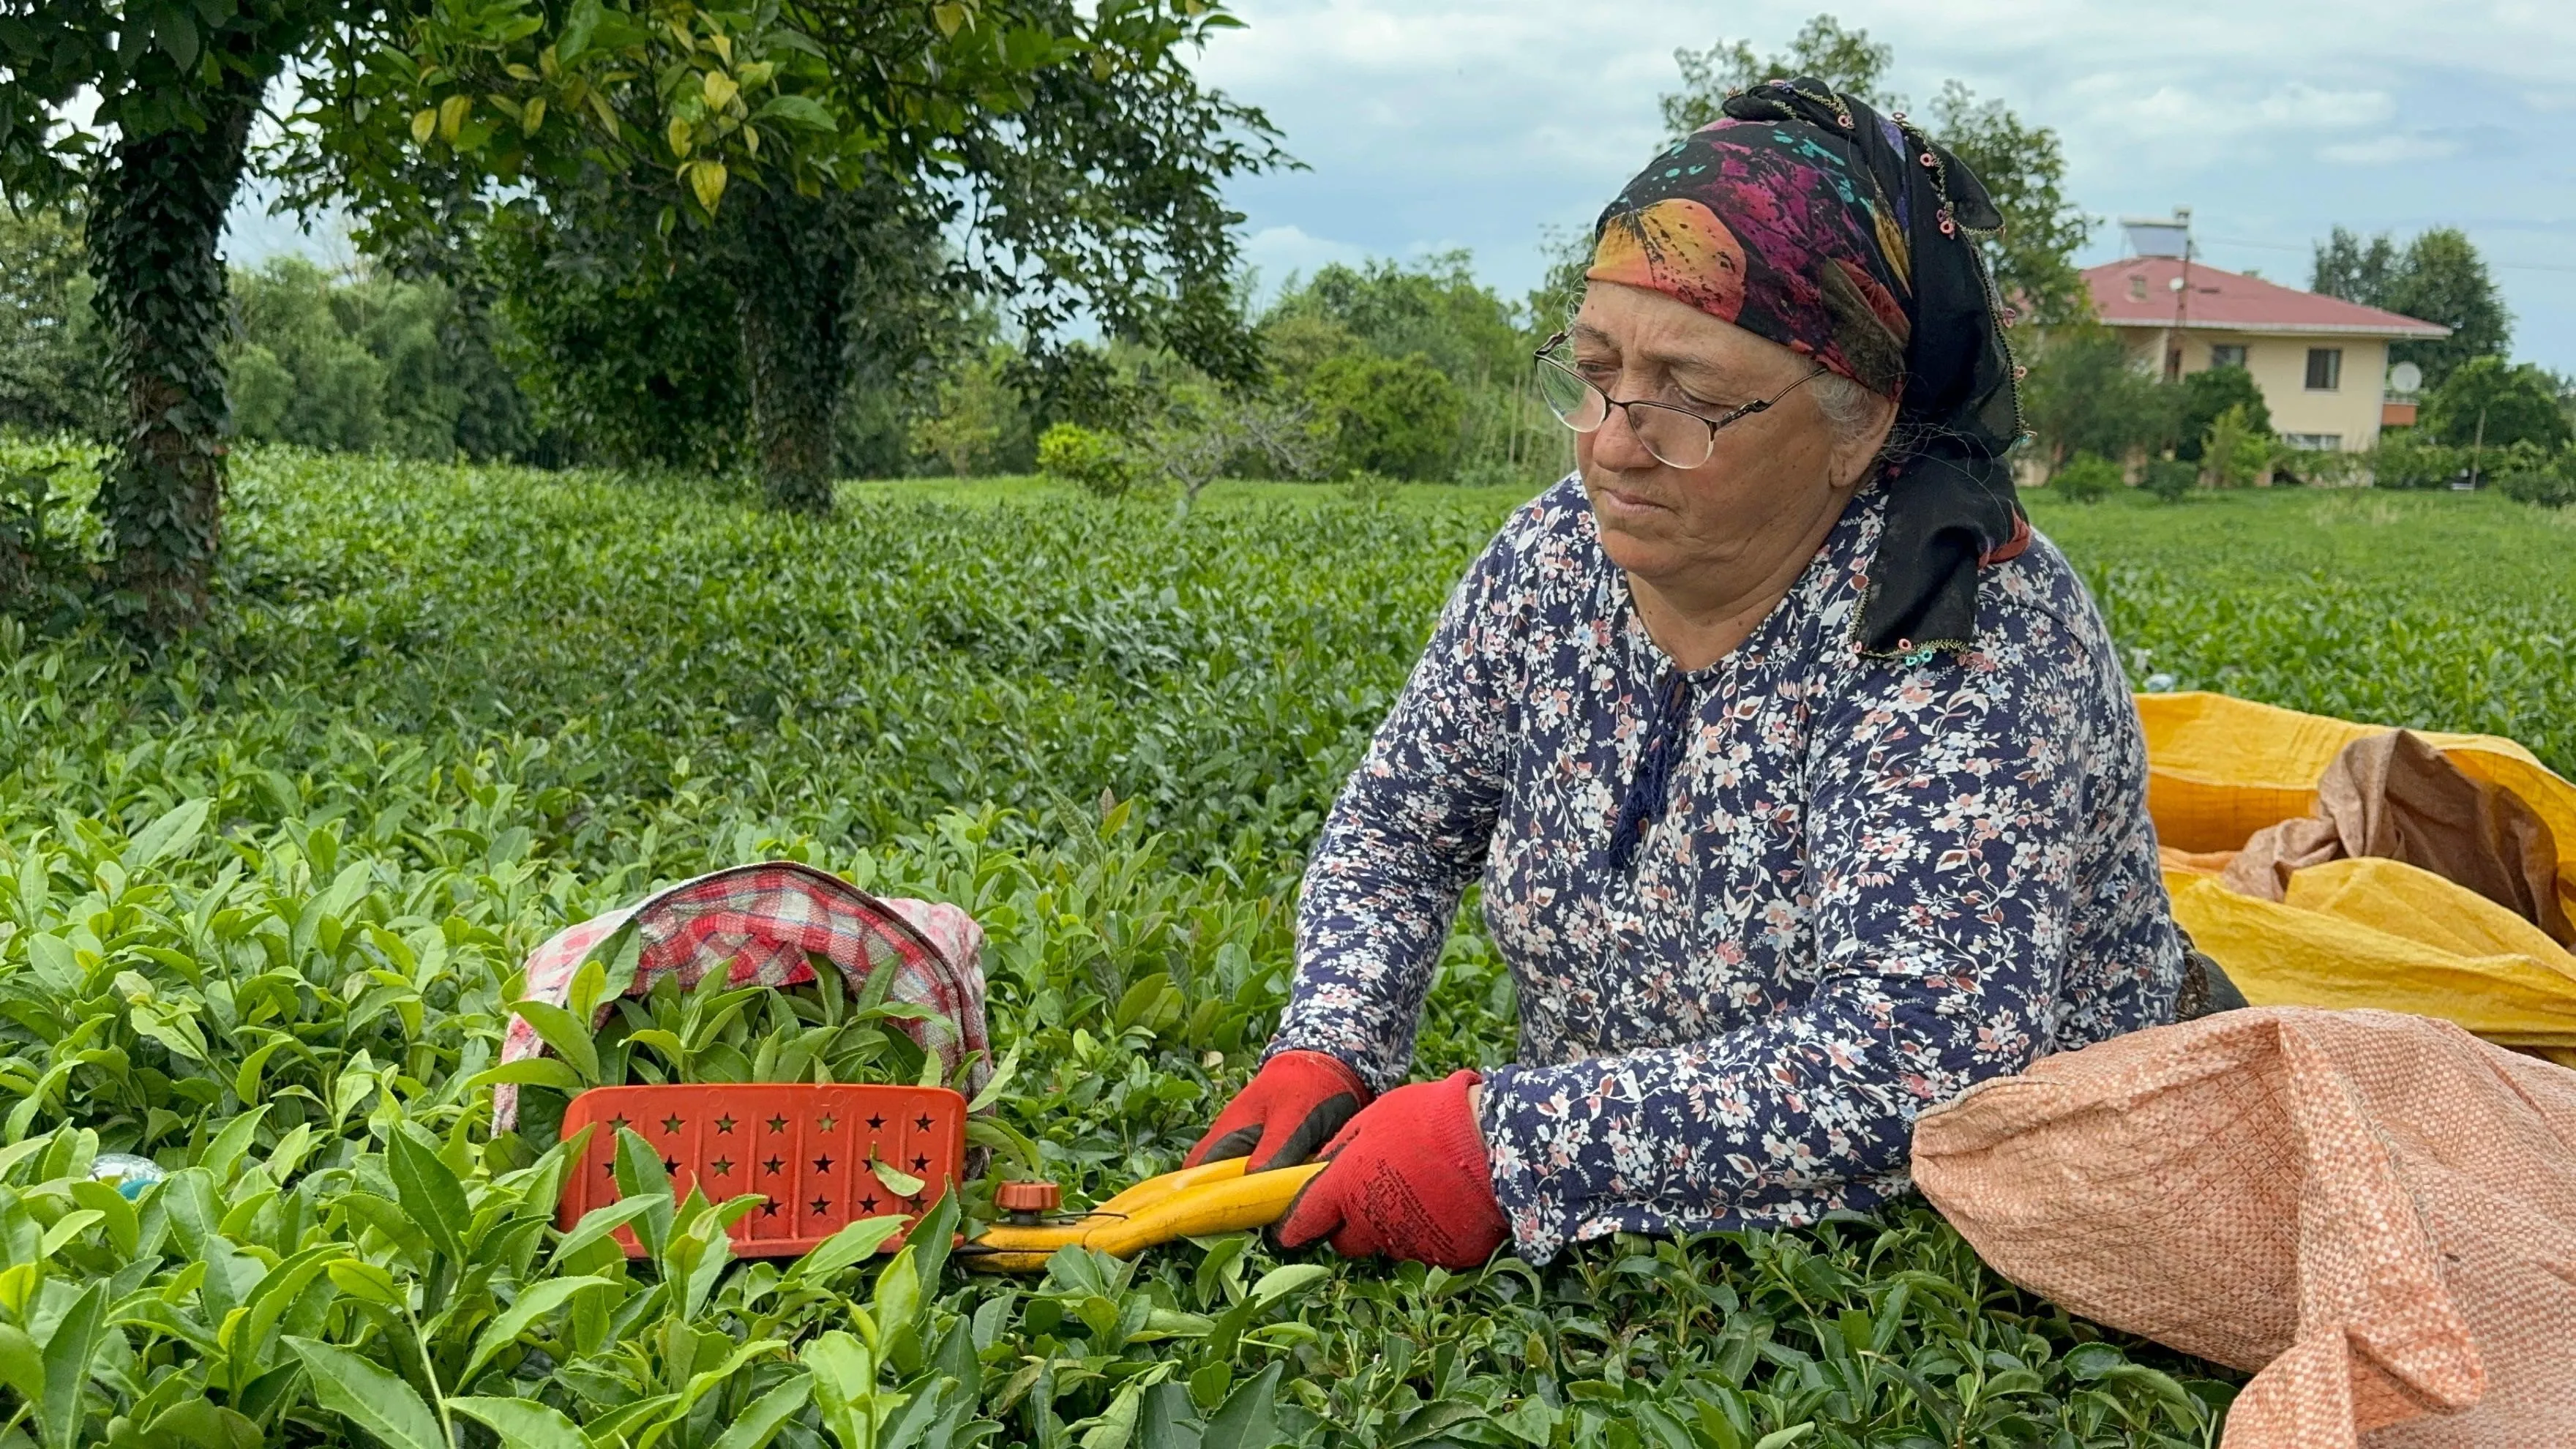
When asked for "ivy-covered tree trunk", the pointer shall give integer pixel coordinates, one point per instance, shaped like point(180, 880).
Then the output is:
point(792, 286)
point(156, 215)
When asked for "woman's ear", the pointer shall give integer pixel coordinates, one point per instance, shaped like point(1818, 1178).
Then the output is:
point(1857, 450)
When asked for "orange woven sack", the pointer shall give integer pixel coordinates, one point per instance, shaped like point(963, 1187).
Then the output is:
point(2376, 1211)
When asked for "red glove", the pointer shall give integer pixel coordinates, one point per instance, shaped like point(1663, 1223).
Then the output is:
point(1292, 1106)
point(1409, 1179)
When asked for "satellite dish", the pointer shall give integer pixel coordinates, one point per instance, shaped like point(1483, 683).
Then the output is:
point(2405, 377)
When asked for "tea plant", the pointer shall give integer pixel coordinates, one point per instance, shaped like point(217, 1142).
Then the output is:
point(263, 902)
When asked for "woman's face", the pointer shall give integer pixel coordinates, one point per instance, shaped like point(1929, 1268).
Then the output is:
point(1772, 476)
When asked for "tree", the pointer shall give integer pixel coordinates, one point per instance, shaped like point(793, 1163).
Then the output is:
point(2485, 402)
point(2437, 277)
point(975, 408)
point(1396, 416)
point(2207, 396)
point(2356, 270)
point(1436, 310)
point(634, 366)
point(1847, 60)
point(2085, 395)
point(2443, 279)
point(1205, 430)
point(1081, 157)
point(2234, 449)
point(140, 112)
point(2023, 166)
point(50, 352)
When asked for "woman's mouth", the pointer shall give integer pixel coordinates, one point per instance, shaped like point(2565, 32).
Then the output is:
point(1621, 503)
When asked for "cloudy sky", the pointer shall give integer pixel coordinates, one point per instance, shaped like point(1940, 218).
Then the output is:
point(1430, 124)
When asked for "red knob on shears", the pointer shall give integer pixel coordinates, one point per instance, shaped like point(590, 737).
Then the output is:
point(1025, 1201)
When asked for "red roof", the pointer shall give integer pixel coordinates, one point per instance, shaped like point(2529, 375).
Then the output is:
point(2139, 292)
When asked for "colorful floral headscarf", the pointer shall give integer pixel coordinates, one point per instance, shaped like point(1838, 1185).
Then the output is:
point(1809, 219)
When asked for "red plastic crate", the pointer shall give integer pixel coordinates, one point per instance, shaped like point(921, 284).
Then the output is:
point(804, 1148)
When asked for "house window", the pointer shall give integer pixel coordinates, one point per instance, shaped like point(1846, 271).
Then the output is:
point(2227, 354)
point(2325, 369)
point(2137, 289)
point(2315, 442)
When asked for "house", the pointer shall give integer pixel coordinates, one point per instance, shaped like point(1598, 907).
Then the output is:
point(2321, 362)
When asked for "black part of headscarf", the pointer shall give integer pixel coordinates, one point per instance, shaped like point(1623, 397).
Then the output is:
point(1951, 504)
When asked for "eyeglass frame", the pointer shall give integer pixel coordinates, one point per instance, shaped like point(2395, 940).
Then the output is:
point(1714, 425)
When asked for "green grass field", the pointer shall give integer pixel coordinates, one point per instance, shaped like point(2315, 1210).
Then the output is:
point(262, 900)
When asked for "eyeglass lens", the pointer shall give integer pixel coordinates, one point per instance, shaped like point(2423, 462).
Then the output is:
point(1678, 439)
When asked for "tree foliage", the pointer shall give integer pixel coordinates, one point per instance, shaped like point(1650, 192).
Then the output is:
point(1069, 145)
point(2023, 166)
point(140, 111)
point(1396, 416)
point(2086, 395)
point(2437, 277)
point(2486, 401)
point(51, 351)
point(2207, 396)
point(367, 362)
point(1414, 370)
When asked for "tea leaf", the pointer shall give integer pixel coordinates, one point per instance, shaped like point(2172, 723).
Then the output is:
point(522, 1423)
point(368, 1397)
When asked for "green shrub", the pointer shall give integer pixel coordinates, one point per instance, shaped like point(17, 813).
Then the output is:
point(2171, 479)
point(2544, 480)
point(1095, 462)
point(1397, 416)
point(2489, 401)
point(2086, 478)
point(2208, 394)
point(2411, 458)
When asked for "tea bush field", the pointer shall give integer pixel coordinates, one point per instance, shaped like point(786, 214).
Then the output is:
point(263, 902)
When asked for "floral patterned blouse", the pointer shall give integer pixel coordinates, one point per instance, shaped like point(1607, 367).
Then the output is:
point(1874, 881)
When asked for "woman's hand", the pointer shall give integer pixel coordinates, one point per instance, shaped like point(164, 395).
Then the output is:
point(1408, 1179)
point(1292, 1106)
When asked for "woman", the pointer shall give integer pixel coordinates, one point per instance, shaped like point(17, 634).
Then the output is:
point(1802, 776)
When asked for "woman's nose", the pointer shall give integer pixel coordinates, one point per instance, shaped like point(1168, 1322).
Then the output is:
point(1615, 444)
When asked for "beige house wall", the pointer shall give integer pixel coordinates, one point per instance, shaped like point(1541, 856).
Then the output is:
point(2279, 363)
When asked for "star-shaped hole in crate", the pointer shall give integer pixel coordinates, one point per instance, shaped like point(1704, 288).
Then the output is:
point(922, 1122)
point(828, 1123)
point(774, 1166)
point(821, 1205)
point(769, 1207)
point(724, 1125)
point(876, 1123)
point(777, 1124)
point(721, 1167)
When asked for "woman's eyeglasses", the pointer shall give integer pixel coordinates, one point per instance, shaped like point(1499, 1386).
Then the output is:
point(1678, 437)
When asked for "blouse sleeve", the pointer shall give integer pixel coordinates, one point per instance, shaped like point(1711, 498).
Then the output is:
point(1941, 828)
point(1410, 829)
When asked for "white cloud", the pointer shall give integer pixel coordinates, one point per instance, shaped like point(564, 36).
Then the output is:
point(1280, 252)
point(2392, 149)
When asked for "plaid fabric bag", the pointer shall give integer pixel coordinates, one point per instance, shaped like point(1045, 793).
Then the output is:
point(764, 920)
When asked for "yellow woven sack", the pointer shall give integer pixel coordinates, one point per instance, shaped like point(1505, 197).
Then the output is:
point(2220, 768)
point(2354, 933)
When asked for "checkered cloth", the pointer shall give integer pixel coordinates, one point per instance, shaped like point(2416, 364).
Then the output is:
point(764, 919)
